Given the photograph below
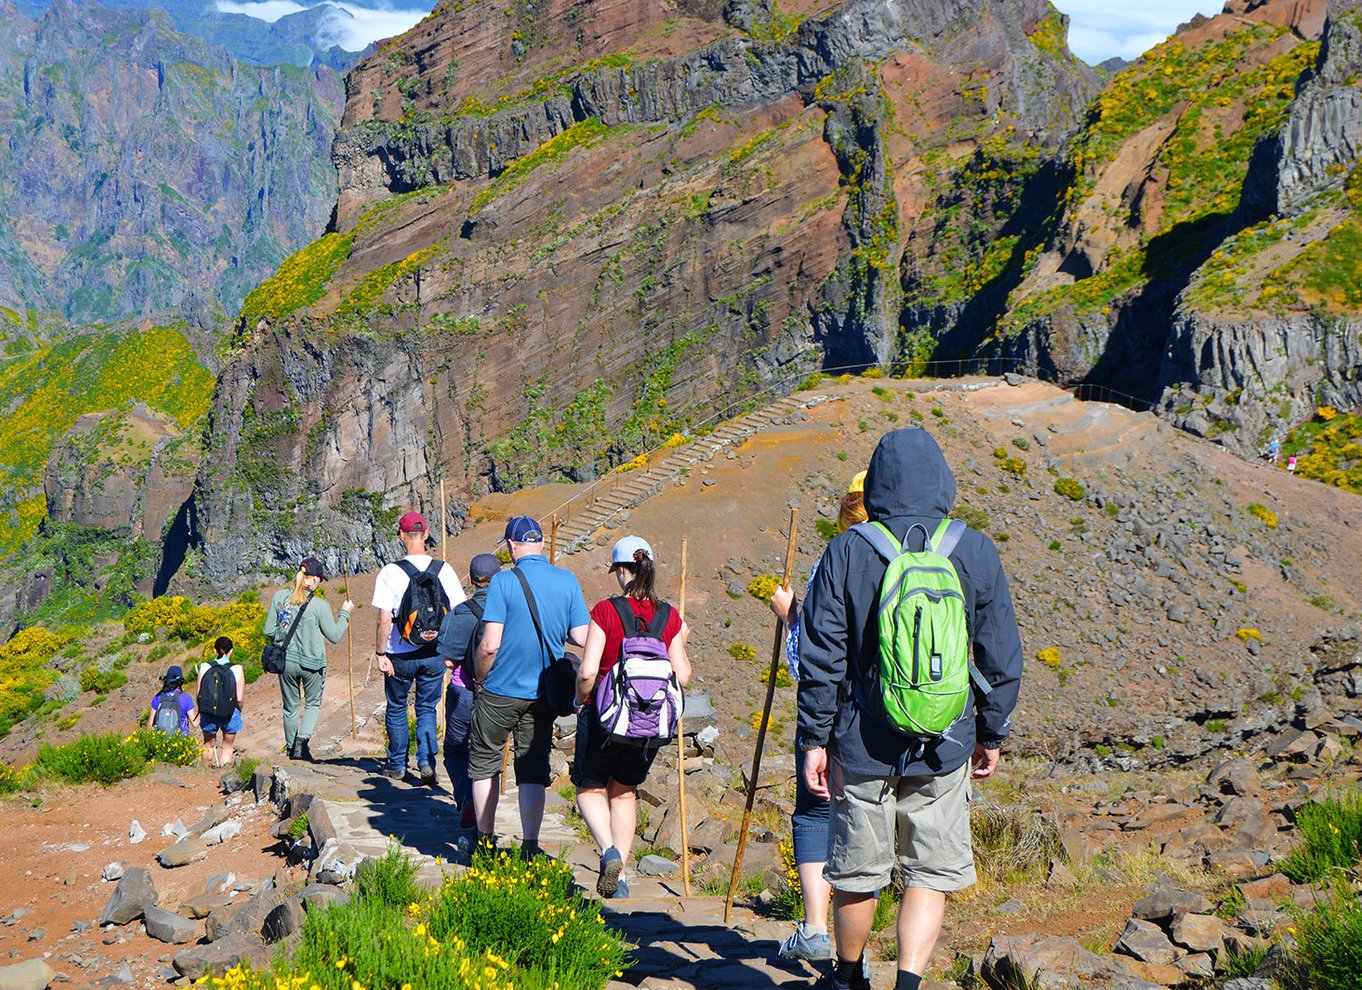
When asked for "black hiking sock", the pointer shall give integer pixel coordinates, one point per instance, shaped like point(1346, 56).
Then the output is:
point(848, 971)
point(907, 981)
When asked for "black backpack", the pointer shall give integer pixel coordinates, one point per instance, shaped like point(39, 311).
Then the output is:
point(217, 691)
point(475, 607)
point(167, 719)
point(424, 604)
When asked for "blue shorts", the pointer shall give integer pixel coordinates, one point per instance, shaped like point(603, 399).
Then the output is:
point(211, 724)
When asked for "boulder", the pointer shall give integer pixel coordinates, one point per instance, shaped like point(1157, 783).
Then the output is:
point(214, 816)
point(187, 850)
point(133, 895)
point(111, 872)
point(1237, 776)
point(1274, 888)
point(167, 926)
point(222, 832)
point(249, 919)
point(1042, 963)
point(216, 958)
point(658, 866)
point(1297, 745)
point(202, 905)
point(320, 895)
point(1147, 943)
point(31, 974)
point(261, 782)
point(284, 919)
point(1165, 902)
point(1198, 932)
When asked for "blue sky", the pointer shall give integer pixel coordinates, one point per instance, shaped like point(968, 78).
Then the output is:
point(1100, 29)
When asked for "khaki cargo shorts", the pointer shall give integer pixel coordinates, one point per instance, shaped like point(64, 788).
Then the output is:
point(920, 822)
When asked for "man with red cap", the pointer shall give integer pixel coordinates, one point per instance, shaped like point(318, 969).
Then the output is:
point(412, 596)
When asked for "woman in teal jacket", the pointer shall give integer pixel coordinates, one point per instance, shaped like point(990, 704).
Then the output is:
point(304, 675)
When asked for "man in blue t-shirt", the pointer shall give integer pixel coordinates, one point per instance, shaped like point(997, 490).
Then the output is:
point(506, 676)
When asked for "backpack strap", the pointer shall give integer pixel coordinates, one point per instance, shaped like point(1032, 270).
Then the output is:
point(879, 537)
point(293, 628)
point(629, 619)
point(408, 568)
point(947, 536)
point(534, 612)
point(661, 617)
point(475, 608)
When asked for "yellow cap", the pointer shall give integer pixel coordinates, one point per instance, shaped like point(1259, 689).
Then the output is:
point(857, 484)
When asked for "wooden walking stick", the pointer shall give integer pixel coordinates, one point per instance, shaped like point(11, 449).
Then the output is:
point(444, 555)
point(681, 748)
point(350, 649)
point(553, 539)
point(777, 649)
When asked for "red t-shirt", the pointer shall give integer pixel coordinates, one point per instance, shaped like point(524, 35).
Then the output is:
point(605, 616)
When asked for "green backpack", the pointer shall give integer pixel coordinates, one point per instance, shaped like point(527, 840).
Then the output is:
point(924, 670)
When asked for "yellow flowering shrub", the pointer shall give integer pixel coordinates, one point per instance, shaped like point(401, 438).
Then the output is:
point(24, 673)
point(1051, 657)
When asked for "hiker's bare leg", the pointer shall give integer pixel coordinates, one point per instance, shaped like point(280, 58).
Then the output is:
point(623, 816)
point(485, 803)
point(531, 810)
point(816, 893)
point(595, 808)
point(228, 749)
point(852, 915)
point(920, 916)
point(210, 748)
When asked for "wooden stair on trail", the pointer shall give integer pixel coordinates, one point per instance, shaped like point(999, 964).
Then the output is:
point(576, 531)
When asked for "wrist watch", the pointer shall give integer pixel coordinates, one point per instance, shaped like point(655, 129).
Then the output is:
point(380, 653)
point(805, 745)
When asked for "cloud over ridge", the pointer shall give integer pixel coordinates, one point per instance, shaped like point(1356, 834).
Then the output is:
point(350, 26)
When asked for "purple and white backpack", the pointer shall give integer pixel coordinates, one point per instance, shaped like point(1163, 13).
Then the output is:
point(638, 700)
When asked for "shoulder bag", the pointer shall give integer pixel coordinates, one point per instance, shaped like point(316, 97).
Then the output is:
point(276, 655)
point(558, 679)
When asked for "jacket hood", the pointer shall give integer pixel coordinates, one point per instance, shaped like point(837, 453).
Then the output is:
point(908, 476)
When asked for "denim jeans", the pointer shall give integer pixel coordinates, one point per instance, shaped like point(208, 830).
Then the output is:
point(458, 717)
point(810, 819)
point(428, 675)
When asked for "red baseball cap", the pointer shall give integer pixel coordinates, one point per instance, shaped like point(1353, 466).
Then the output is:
point(412, 522)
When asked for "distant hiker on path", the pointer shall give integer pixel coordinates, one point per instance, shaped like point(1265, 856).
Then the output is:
point(412, 596)
point(810, 819)
point(519, 641)
point(1291, 463)
point(635, 653)
point(900, 796)
point(173, 711)
point(220, 689)
point(304, 677)
point(460, 635)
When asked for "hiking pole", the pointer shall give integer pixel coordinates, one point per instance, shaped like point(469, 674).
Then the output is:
point(777, 648)
point(681, 747)
point(553, 539)
point(350, 649)
point(444, 554)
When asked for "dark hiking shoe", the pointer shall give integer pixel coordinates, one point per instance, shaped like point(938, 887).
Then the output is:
point(621, 890)
point(394, 773)
point(427, 775)
point(830, 981)
point(305, 751)
point(295, 751)
point(611, 868)
point(530, 849)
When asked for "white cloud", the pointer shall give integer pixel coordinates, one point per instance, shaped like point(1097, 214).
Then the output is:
point(1100, 29)
point(262, 10)
point(348, 25)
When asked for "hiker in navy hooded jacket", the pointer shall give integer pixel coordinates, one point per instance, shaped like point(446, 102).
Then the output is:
point(898, 799)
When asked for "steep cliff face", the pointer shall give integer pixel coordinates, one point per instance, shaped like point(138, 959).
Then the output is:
point(566, 230)
point(148, 172)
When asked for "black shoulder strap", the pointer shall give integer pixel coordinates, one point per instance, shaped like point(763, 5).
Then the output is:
point(475, 607)
point(661, 617)
point(629, 619)
point(408, 568)
point(433, 568)
point(293, 628)
point(534, 612)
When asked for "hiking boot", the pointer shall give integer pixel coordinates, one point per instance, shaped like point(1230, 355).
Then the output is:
point(621, 890)
point(529, 849)
point(427, 774)
point(830, 981)
point(304, 751)
point(295, 752)
point(394, 773)
point(611, 868)
point(803, 945)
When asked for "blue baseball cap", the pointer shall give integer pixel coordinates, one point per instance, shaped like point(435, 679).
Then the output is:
point(523, 529)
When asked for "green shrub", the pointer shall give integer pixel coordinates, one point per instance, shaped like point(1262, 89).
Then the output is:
point(1240, 964)
point(245, 770)
point(11, 778)
point(1331, 836)
point(157, 747)
point(971, 517)
point(1070, 488)
point(827, 528)
point(101, 681)
point(743, 652)
point(103, 758)
point(1056, 545)
point(298, 827)
point(390, 879)
point(1263, 513)
point(1328, 953)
